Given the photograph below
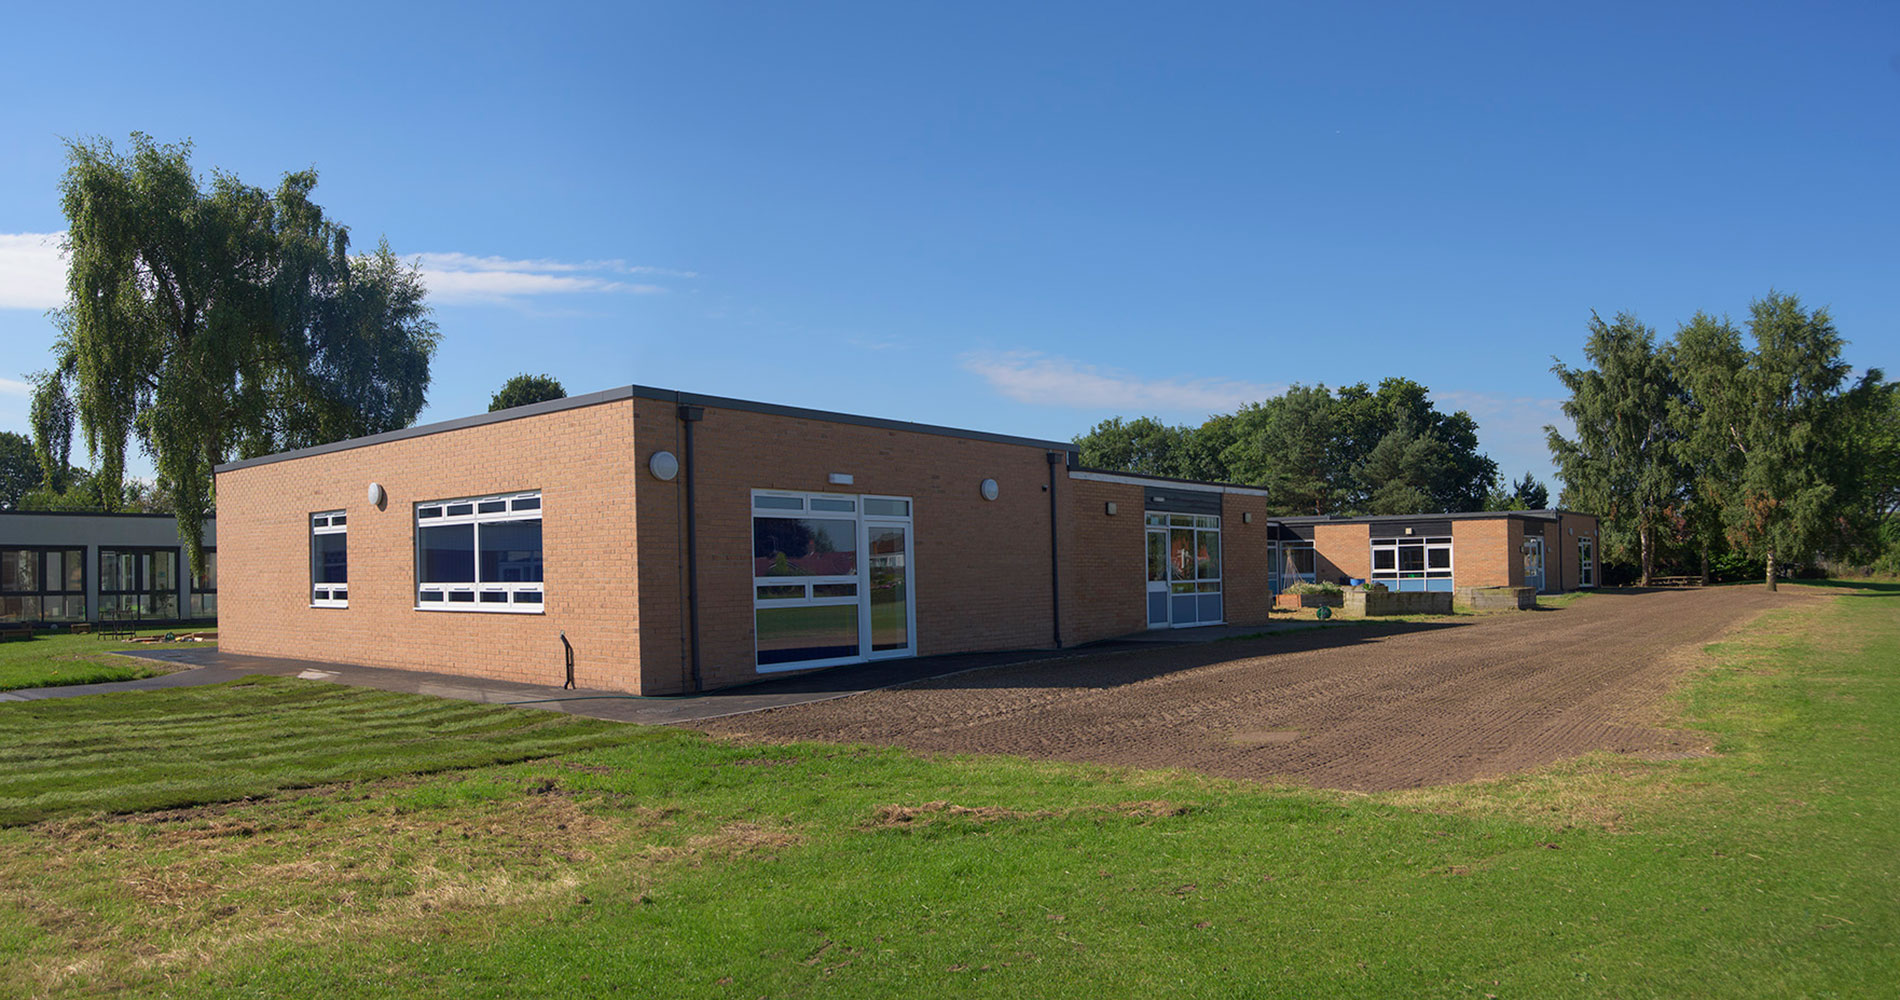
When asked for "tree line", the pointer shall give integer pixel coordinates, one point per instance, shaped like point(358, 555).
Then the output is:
point(1351, 450)
point(1708, 446)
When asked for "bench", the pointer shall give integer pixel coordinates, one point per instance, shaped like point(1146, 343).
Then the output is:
point(16, 632)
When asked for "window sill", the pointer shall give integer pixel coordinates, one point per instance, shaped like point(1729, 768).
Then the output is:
point(331, 606)
point(479, 610)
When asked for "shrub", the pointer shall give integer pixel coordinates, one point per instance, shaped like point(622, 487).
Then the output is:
point(1375, 587)
point(1312, 588)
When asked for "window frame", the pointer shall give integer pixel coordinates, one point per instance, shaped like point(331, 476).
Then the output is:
point(1403, 545)
point(1586, 562)
point(42, 592)
point(517, 507)
point(799, 505)
point(328, 591)
point(144, 587)
point(194, 591)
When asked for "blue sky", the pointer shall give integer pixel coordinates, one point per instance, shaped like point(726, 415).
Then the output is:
point(1018, 220)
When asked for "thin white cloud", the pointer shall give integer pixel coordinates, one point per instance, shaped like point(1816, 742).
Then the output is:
point(469, 279)
point(1511, 429)
point(1030, 377)
point(15, 387)
point(32, 271)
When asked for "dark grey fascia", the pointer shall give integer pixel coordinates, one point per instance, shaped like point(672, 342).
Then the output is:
point(640, 392)
point(1475, 515)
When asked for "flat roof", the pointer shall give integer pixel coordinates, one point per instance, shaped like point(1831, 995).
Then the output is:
point(674, 396)
point(1471, 515)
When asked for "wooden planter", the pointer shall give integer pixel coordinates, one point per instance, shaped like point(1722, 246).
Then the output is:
point(1294, 602)
point(1497, 598)
point(1369, 603)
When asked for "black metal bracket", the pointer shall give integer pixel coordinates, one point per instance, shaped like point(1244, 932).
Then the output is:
point(570, 661)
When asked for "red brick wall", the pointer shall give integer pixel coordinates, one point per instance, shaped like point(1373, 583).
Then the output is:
point(1484, 553)
point(1342, 550)
point(580, 460)
point(981, 568)
point(1246, 557)
point(1571, 528)
point(1104, 562)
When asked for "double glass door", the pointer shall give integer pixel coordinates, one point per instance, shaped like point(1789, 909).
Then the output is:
point(831, 578)
point(1184, 570)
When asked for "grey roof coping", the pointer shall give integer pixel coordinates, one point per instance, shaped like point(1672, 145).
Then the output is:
point(93, 513)
point(639, 392)
point(1209, 483)
point(1472, 515)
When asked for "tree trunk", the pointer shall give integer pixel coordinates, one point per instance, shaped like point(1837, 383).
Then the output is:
point(1771, 569)
point(1648, 555)
point(1705, 567)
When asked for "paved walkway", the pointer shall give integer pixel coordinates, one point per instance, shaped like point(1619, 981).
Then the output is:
point(209, 665)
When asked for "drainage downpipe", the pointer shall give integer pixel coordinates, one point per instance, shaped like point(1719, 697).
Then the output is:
point(1055, 563)
point(690, 415)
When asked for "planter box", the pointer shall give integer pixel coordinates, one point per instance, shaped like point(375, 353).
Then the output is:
point(1294, 602)
point(1496, 598)
point(1368, 603)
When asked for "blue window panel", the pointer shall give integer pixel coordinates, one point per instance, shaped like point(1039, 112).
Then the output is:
point(1438, 586)
point(1157, 608)
point(1210, 608)
point(1184, 609)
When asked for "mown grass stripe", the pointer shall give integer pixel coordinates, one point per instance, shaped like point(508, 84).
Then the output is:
point(189, 746)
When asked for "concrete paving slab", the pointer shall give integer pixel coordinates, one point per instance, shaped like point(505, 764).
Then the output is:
point(210, 666)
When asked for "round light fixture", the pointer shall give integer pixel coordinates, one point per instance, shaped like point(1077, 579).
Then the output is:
point(377, 496)
point(664, 466)
point(989, 489)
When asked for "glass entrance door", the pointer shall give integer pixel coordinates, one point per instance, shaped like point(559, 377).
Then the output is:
point(1157, 577)
point(1183, 570)
point(888, 609)
point(1534, 563)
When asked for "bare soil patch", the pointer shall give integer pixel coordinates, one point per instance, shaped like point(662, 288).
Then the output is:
point(1369, 707)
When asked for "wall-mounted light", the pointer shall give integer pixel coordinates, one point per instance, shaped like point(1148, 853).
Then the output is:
point(664, 465)
point(1110, 507)
point(376, 496)
point(839, 479)
point(989, 489)
point(1408, 531)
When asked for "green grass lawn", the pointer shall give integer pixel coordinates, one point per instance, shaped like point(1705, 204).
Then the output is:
point(674, 865)
point(48, 660)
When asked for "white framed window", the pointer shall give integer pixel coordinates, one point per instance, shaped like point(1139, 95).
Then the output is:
point(1413, 563)
point(1586, 562)
point(831, 579)
point(330, 559)
point(480, 554)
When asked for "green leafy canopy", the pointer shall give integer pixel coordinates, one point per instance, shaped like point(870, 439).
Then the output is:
point(219, 321)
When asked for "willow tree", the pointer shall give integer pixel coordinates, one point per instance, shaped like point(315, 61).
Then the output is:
point(219, 322)
point(1621, 464)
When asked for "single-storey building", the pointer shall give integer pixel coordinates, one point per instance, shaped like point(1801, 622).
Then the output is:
point(680, 542)
point(66, 566)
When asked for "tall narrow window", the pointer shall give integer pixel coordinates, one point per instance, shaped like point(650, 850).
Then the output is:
point(1586, 562)
point(204, 589)
point(329, 559)
point(480, 554)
